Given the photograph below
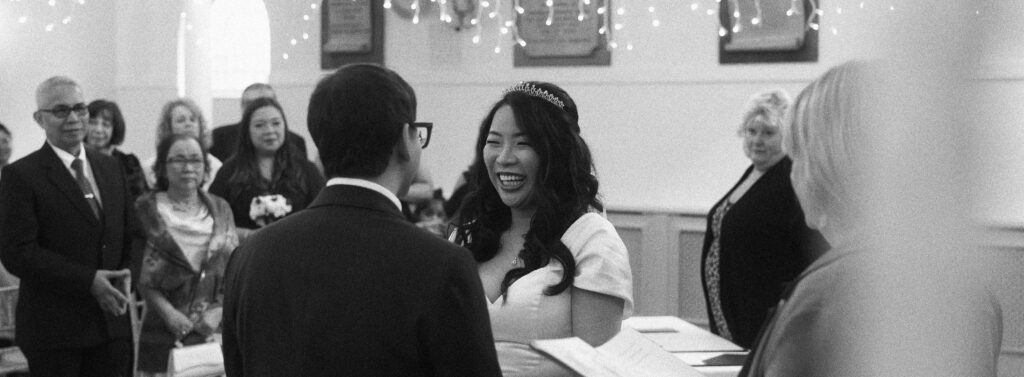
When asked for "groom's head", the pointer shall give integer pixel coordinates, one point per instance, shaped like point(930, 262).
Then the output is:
point(360, 120)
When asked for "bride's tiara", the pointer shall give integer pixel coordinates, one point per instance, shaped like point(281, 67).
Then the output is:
point(533, 91)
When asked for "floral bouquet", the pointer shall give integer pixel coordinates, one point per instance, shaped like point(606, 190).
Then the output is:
point(265, 209)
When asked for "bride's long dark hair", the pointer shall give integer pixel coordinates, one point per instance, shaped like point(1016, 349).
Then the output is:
point(566, 187)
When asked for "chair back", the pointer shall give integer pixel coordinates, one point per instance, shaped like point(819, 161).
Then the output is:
point(8, 301)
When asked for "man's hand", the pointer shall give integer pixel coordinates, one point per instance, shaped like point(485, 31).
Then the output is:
point(111, 299)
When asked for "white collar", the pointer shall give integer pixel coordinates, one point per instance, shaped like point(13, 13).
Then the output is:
point(367, 185)
point(67, 158)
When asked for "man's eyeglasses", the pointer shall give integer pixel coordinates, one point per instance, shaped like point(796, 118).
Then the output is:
point(63, 111)
point(180, 162)
point(423, 130)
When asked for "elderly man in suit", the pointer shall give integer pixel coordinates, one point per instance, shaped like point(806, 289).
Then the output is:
point(65, 220)
point(347, 287)
point(225, 138)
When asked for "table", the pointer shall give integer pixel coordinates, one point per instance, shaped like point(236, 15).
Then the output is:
point(689, 343)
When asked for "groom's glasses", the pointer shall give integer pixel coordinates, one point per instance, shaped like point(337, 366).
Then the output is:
point(423, 130)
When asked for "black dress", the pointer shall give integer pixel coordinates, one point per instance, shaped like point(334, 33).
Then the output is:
point(752, 249)
point(133, 173)
point(240, 198)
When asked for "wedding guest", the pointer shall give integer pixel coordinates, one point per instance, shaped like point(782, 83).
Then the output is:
point(225, 138)
point(430, 215)
point(6, 278)
point(756, 240)
point(5, 147)
point(264, 166)
point(551, 265)
point(873, 305)
point(182, 117)
point(66, 225)
point(348, 287)
point(189, 236)
point(106, 132)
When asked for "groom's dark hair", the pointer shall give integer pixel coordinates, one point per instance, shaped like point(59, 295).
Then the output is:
point(355, 119)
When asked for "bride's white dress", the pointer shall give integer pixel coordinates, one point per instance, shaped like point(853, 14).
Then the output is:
point(526, 314)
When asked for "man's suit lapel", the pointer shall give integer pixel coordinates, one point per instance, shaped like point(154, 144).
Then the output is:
point(61, 178)
point(106, 181)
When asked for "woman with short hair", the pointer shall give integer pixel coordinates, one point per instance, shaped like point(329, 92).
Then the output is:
point(106, 130)
point(190, 235)
point(756, 239)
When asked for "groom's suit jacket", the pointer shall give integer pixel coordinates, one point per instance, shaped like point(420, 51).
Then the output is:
point(348, 287)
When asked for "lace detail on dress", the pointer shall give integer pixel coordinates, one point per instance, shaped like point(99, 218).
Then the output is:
point(711, 271)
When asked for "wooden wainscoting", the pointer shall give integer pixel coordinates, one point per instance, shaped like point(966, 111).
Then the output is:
point(664, 254)
point(664, 283)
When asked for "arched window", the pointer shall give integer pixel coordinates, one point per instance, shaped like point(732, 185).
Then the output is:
point(240, 32)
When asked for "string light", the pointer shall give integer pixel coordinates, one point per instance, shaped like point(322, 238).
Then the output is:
point(416, 12)
point(551, 12)
point(793, 10)
point(581, 10)
point(654, 16)
point(756, 20)
point(501, 23)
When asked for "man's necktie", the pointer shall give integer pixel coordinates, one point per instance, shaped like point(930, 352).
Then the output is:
point(83, 183)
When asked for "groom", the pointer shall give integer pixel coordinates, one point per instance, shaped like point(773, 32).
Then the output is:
point(347, 286)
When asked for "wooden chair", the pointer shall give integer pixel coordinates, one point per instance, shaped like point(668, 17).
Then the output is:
point(11, 358)
point(136, 312)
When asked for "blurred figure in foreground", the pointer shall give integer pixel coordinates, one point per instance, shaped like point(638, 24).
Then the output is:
point(872, 305)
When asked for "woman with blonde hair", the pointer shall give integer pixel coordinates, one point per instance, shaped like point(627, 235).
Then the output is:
point(756, 240)
point(183, 117)
point(873, 305)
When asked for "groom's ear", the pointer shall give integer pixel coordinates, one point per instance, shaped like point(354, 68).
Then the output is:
point(402, 147)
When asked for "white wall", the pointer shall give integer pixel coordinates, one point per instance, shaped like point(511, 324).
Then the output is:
point(661, 119)
point(83, 49)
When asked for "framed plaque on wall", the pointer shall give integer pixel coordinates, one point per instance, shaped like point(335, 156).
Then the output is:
point(351, 31)
point(767, 31)
point(568, 33)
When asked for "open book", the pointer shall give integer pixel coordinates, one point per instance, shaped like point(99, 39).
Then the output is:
point(627, 354)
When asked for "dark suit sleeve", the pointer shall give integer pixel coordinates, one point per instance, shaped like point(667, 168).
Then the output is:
point(230, 345)
point(131, 223)
point(456, 327)
point(19, 249)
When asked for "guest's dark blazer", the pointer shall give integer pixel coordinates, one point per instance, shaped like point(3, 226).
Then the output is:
point(50, 238)
point(225, 140)
point(348, 287)
point(764, 245)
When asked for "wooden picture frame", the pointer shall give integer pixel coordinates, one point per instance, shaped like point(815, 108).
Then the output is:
point(771, 52)
point(567, 41)
point(351, 31)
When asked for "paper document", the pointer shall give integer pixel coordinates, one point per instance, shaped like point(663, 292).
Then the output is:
point(676, 335)
point(628, 354)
